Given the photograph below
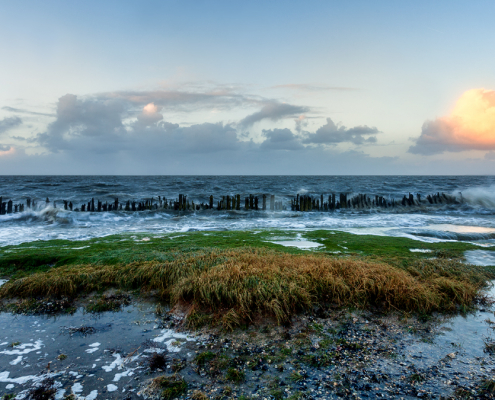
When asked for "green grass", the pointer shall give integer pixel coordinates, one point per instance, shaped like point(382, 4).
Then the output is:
point(231, 277)
point(170, 387)
point(236, 376)
point(21, 260)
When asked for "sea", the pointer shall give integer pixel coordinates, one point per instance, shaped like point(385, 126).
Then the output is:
point(470, 219)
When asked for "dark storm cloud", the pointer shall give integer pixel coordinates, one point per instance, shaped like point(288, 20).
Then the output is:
point(332, 133)
point(8, 123)
point(274, 112)
point(280, 139)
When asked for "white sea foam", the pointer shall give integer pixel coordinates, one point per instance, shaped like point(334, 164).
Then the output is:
point(94, 347)
point(114, 364)
point(24, 348)
point(16, 361)
point(483, 196)
point(172, 343)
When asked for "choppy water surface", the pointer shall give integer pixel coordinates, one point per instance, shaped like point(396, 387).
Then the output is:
point(473, 220)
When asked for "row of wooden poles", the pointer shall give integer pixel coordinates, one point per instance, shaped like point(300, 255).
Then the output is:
point(251, 202)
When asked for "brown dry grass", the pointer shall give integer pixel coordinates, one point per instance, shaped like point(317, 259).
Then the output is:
point(243, 283)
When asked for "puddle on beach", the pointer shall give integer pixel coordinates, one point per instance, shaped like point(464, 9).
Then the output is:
point(298, 242)
point(109, 360)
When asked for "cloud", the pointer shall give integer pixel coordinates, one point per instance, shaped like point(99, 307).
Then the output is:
point(6, 150)
point(94, 119)
point(149, 116)
point(186, 101)
point(301, 123)
point(307, 87)
point(490, 155)
point(280, 139)
point(332, 133)
point(8, 123)
point(470, 126)
point(273, 111)
point(94, 126)
point(96, 134)
point(24, 111)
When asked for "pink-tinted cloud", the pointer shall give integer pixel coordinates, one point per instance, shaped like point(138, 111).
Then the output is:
point(470, 126)
point(6, 151)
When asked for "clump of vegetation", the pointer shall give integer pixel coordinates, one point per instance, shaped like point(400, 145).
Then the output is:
point(61, 357)
point(178, 364)
point(296, 376)
point(487, 387)
point(231, 287)
point(199, 395)
point(82, 330)
point(212, 363)
point(236, 376)
point(490, 347)
point(36, 306)
point(204, 357)
point(416, 378)
point(45, 390)
point(113, 302)
point(156, 361)
point(170, 387)
point(13, 344)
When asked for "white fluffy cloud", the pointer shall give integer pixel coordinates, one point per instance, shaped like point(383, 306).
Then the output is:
point(470, 126)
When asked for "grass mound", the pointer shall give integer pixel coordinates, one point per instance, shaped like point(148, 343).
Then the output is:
point(242, 283)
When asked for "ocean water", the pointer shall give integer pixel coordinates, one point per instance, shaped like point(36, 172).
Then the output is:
point(472, 219)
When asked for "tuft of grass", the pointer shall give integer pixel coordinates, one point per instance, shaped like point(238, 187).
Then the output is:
point(170, 387)
point(156, 361)
point(178, 364)
point(277, 394)
point(416, 378)
point(490, 347)
point(13, 344)
point(296, 376)
point(487, 387)
point(61, 357)
point(236, 376)
point(104, 303)
point(198, 395)
point(204, 357)
point(45, 390)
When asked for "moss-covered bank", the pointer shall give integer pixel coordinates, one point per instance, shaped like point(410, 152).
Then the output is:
point(237, 276)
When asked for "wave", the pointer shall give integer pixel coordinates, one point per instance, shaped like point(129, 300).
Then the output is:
point(482, 196)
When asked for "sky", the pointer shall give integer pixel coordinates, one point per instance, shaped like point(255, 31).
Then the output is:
point(231, 87)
